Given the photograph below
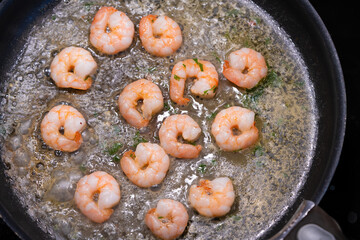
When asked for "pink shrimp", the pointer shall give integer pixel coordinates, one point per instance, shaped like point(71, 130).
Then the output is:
point(168, 220)
point(175, 126)
point(72, 68)
point(245, 68)
point(111, 31)
point(108, 191)
point(237, 118)
point(152, 98)
point(160, 36)
point(72, 121)
point(205, 84)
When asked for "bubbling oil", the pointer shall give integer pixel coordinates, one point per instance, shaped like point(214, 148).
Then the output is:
point(266, 177)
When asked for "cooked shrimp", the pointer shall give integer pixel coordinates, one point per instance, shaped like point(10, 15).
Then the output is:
point(245, 68)
point(172, 128)
point(205, 84)
point(102, 186)
point(160, 36)
point(168, 220)
point(147, 166)
point(234, 129)
point(212, 198)
point(66, 117)
point(136, 91)
point(111, 31)
point(72, 68)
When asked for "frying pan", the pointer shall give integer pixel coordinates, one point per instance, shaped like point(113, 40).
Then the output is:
point(304, 27)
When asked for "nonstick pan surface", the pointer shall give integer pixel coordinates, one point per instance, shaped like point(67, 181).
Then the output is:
point(299, 21)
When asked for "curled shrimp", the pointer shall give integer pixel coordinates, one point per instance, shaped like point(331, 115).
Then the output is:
point(205, 84)
point(168, 220)
point(172, 128)
point(72, 67)
point(147, 166)
point(73, 123)
point(226, 125)
point(151, 96)
point(111, 31)
point(212, 198)
point(160, 36)
point(107, 190)
point(245, 68)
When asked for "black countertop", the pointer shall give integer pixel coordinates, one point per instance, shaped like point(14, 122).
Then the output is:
point(342, 199)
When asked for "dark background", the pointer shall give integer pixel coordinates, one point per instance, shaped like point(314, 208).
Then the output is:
point(342, 199)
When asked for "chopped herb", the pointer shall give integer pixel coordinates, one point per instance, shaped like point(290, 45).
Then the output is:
point(86, 78)
point(255, 93)
point(227, 105)
point(213, 162)
point(227, 36)
point(202, 168)
point(212, 116)
point(184, 65)
point(259, 164)
point(88, 5)
point(150, 70)
point(132, 155)
point(116, 159)
point(2, 131)
point(53, 17)
point(213, 89)
point(236, 218)
point(160, 217)
point(233, 13)
point(192, 143)
point(267, 41)
point(257, 20)
point(82, 168)
point(176, 77)
point(114, 149)
point(216, 56)
point(258, 151)
point(138, 139)
point(200, 64)
point(166, 106)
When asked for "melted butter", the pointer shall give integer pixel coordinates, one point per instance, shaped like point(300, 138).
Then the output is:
point(267, 176)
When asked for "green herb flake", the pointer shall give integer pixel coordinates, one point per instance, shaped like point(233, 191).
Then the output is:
point(114, 149)
point(176, 77)
point(236, 218)
point(199, 64)
point(202, 168)
point(184, 65)
point(2, 131)
point(216, 56)
point(272, 79)
point(213, 162)
point(233, 13)
point(82, 168)
point(259, 164)
point(227, 105)
point(257, 20)
point(116, 159)
point(150, 70)
point(212, 116)
point(138, 139)
point(53, 17)
point(132, 155)
point(166, 106)
point(87, 78)
point(258, 151)
point(214, 88)
point(160, 217)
